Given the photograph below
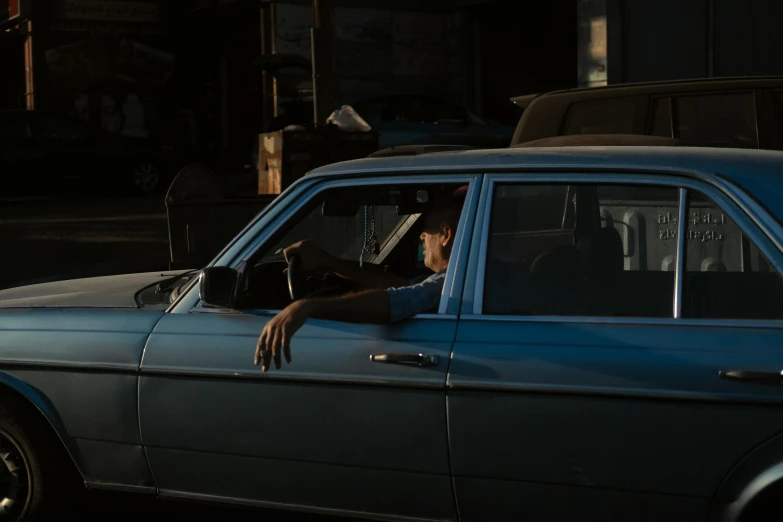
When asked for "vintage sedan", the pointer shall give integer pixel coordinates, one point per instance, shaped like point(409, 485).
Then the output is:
point(608, 346)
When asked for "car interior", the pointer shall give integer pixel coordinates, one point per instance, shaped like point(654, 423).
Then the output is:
point(579, 269)
point(379, 224)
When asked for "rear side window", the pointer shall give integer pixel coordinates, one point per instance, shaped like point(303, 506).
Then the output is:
point(611, 250)
point(593, 250)
point(613, 116)
point(716, 120)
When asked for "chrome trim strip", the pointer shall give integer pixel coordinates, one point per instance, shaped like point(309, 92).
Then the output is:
point(617, 393)
point(128, 488)
point(459, 239)
point(487, 192)
point(72, 366)
point(649, 321)
point(200, 497)
point(679, 268)
point(278, 376)
point(271, 313)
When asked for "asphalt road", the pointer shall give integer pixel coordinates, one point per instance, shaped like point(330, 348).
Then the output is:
point(50, 239)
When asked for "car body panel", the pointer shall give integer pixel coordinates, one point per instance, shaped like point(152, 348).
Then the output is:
point(588, 393)
point(118, 291)
point(384, 421)
point(85, 363)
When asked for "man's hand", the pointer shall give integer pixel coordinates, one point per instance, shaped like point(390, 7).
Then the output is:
point(312, 257)
point(276, 337)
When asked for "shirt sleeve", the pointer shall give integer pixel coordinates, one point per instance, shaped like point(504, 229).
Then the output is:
point(417, 298)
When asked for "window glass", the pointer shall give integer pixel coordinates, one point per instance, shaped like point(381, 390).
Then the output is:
point(613, 255)
point(340, 220)
point(727, 277)
point(341, 236)
point(615, 116)
point(662, 118)
point(717, 120)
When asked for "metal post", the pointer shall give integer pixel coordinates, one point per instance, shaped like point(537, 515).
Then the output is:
point(322, 44)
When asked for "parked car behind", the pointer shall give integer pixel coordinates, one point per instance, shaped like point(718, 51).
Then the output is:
point(412, 119)
point(37, 149)
point(408, 119)
point(744, 112)
point(607, 347)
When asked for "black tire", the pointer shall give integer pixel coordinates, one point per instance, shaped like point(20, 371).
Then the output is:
point(32, 470)
point(765, 507)
point(146, 174)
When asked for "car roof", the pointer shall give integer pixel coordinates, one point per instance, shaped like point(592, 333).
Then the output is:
point(675, 85)
point(760, 172)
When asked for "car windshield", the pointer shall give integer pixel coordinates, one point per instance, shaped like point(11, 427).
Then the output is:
point(344, 237)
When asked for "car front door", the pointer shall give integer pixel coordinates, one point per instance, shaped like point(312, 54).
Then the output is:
point(331, 432)
point(622, 378)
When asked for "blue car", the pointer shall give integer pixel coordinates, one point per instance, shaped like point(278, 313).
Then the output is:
point(420, 119)
point(608, 345)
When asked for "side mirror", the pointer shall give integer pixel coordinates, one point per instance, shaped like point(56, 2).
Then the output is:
point(218, 286)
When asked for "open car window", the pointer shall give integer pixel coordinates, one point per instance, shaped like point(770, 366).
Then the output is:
point(343, 236)
point(377, 227)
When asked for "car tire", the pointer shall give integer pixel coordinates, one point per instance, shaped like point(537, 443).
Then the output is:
point(146, 175)
point(765, 507)
point(32, 472)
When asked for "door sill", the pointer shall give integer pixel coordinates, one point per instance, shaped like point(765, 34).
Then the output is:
point(216, 499)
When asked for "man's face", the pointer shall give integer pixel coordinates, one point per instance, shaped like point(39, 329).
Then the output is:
point(436, 239)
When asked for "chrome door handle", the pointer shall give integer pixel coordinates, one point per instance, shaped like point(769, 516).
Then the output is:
point(406, 358)
point(752, 376)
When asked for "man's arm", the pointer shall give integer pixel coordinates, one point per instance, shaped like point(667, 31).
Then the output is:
point(370, 307)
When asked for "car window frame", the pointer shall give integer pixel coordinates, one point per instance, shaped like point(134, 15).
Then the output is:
point(753, 220)
point(449, 303)
point(758, 110)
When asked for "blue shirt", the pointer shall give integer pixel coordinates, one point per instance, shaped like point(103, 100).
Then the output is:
point(420, 296)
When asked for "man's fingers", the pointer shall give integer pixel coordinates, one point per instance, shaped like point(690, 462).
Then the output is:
point(287, 349)
point(267, 357)
point(260, 347)
point(277, 344)
point(277, 355)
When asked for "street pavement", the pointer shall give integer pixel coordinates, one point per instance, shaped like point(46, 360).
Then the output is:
point(49, 239)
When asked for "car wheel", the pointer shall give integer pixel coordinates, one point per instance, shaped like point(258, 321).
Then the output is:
point(29, 470)
point(145, 175)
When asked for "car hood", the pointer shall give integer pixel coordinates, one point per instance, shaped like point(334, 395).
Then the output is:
point(100, 292)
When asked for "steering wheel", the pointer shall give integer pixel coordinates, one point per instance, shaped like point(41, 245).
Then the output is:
point(294, 278)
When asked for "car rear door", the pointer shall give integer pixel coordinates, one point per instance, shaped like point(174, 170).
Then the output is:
point(629, 390)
